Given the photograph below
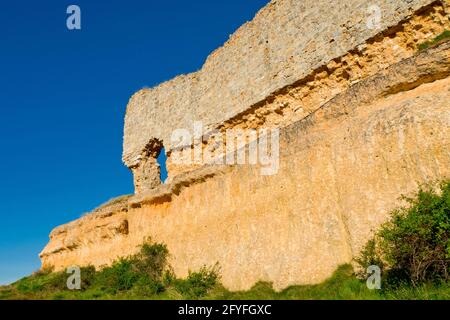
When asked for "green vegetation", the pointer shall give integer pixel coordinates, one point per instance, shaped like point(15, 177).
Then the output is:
point(343, 285)
point(438, 39)
point(145, 275)
point(412, 250)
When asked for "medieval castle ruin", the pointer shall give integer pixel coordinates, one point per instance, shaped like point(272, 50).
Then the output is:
point(287, 149)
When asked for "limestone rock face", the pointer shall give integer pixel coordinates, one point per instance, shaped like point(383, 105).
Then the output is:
point(288, 42)
point(282, 44)
point(363, 116)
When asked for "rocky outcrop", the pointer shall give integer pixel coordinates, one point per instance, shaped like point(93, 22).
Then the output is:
point(361, 122)
point(301, 44)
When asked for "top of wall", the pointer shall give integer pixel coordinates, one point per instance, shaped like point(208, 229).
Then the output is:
point(284, 43)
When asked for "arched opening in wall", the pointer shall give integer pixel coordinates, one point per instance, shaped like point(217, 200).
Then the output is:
point(162, 159)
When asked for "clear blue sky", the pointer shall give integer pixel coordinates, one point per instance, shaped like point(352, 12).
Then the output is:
point(63, 96)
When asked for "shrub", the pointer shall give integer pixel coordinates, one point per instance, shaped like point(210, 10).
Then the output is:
point(169, 277)
point(87, 277)
point(29, 285)
point(147, 287)
point(57, 281)
point(152, 260)
point(42, 281)
point(415, 243)
point(369, 256)
point(120, 276)
point(198, 284)
point(143, 270)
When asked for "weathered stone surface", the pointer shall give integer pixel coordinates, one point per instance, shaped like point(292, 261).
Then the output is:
point(342, 169)
point(303, 44)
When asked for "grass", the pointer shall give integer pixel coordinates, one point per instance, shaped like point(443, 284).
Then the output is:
point(438, 39)
point(111, 202)
point(342, 285)
point(114, 201)
point(145, 275)
point(118, 283)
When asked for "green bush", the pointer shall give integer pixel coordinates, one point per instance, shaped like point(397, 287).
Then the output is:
point(87, 277)
point(43, 281)
point(143, 270)
point(198, 284)
point(415, 244)
point(29, 285)
point(120, 276)
point(148, 287)
point(152, 260)
point(369, 256)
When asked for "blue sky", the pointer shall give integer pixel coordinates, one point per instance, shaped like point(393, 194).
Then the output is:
point(63, 96)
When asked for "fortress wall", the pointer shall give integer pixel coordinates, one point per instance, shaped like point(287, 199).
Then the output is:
point(342, 170)
point(276, 70)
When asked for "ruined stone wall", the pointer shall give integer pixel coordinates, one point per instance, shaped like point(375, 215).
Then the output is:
point(312, 50)
point(342, 169)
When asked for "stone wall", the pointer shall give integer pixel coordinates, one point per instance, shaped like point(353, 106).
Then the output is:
point(320, 49)
point(342, 169)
